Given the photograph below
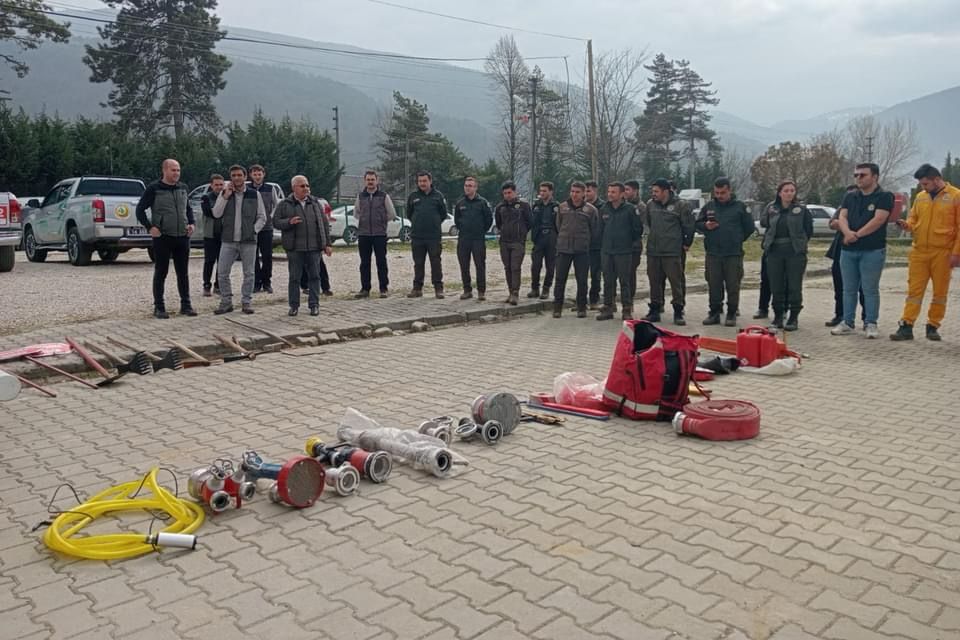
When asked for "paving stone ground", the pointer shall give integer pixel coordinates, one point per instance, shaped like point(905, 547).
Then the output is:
point(840, 521)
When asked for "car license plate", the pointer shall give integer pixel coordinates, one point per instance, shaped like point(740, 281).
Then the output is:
point(136, 231)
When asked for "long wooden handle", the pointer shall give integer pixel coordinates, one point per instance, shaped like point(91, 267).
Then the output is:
point(187, 350)
point(32, 384)
point(58, 370)
point(109, 355)
point(89, 359)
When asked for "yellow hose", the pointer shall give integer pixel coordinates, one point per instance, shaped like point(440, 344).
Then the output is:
point(185, 516)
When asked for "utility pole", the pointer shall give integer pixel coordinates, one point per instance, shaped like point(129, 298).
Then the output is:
point(336, 132)
point(593, 111)
point(534, 80)
point(869, 148)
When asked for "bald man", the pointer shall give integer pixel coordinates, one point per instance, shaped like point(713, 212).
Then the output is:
point(170, 224)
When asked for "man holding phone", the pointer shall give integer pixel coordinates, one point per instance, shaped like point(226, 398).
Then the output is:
point(242, 210)
point(306, 232)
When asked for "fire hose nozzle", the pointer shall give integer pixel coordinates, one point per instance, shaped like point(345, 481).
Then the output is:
point(219, 501)
point(440, 463)
point(438, 428)
point(180, 540)
point(490, 431)
point(343, 479)
point(378, 466)
point(678, 422)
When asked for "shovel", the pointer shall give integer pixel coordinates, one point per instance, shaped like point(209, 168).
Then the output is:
point(139, 364)
point(170, 360)
point(92, 363)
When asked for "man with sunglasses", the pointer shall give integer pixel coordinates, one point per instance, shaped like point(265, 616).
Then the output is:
point(306, 232)
point(863, 222)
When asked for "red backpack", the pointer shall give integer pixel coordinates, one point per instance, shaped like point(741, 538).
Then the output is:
point(651, 371)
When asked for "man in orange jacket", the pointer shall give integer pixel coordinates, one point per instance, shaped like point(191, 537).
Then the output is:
point(934, 221)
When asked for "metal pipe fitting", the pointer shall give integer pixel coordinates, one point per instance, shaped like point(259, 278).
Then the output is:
point(439, 428)
point(375, 466)
point(490, 431)
point(208, 486)
point(343, 479)
point(299, 480)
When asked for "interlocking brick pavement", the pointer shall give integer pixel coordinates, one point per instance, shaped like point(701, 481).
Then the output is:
point(839, 521)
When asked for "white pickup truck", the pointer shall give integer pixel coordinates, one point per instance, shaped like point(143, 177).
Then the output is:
point(83, 215)
point(9, 230)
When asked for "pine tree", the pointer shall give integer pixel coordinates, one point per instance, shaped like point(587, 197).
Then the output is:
point(159, 55)
point(659, 123)
point(694, 97)
point(23, 23)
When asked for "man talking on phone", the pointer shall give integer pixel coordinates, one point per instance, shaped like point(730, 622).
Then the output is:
point(306, 232)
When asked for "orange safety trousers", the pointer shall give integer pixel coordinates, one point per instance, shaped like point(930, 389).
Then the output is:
point(927, 265)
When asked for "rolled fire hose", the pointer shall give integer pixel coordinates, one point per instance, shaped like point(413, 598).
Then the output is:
point(719, 420)
point(185, 518)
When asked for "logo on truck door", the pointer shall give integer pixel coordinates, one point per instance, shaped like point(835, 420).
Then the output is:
point(122, 211)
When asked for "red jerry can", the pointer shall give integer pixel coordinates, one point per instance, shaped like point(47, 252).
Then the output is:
point(757, 347)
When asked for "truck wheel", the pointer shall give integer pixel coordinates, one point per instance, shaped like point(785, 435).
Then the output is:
point(454, 231)
point(108, 255)
point(405, 234)
point(7, 258)
point(78, 253)
point(30, 247)
point(350, 235)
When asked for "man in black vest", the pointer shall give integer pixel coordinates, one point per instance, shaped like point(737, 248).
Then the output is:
point(427, 209)
point(373, 211)
point(212, 230)
point(543, 233)
point(473, 218)
point(263, 266)
point(170, 224)
point(243, 213)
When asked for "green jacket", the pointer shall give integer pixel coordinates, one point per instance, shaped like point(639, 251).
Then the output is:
point(576, 227)
point(426, 211)
point(621, 228)
point(736, 225)
point(799, 223)
point(169, 208)
point(473, 218)
point(670, 227)
point(597, 241)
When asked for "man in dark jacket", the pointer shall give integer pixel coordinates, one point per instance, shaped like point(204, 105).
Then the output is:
point(544, 236)
point(512, 216)
point(427, 209)
point(241, 208)
point(577, 224)
point(170, 224)
point(833, 252)
point(631, 190)
point(212, 229)
point(621, 230)
point(263, 265)
point(473, 218)
point(725, 224)
point(373, 211)
point(671, 234)
point(305, 233)
point(592, 195)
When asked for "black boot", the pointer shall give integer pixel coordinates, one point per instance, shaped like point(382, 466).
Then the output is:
point(777, 320)
point(654, 314)
point(557, 309)
point(932, 333)
point(904, 332)
point(712, 318)
point(678, 318)
point(793, 322)
point(731, 319)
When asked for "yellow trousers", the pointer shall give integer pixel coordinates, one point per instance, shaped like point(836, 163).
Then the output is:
point(927, 265)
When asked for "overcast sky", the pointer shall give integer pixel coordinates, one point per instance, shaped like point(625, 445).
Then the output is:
point(769, 59)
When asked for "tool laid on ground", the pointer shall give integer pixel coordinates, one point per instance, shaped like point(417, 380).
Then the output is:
point(344, 480)
point(758, 345)
point(219, 483)
point(59, 371)
point(542, 418)
point(501, 407)
point(92, 363)
point(544, 402)
point(440, 428)
point(373, 465)
point(719, 420)
point(184, 518)
point(299, 480)
point(126, 346)
point(139, 363)
point(170, 360)
point(490, 431)
point(37, 351)
point(198, 360)
point(232, 344)
point(269, 334)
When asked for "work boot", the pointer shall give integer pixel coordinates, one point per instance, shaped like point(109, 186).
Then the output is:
point(545, 293)
point(363, 293)
point(514, 299)
point(325, 293)
point(206, 292)
point(385, 293)
point(678, 318)
point(247, 308)
point(416, 293)
point(731, 319)
point(777, 320)
point(267, 288)
point(581, 313)
point(605, 313)
point(761, 314)
point(557, 309)
point(627, 313)
point(712, 318)
point(481, 296)
point(216, 289)
point(314, 311)
point(793, 322)
point(466, 295)
point(534, 292)
point(161, 314)
point(833, 321)
point(653, 315)
point(293, 311)
point(932, 333)
point(905, 332)
point(223, 308)
point(438, 293)
point(188, 311)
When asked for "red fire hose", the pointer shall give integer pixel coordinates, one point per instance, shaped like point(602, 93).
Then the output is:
point(719, 420)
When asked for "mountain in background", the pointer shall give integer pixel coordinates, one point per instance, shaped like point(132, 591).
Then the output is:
point(308, 83)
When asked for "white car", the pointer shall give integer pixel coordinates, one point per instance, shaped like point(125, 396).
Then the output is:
point(447, 227)
point(821, 213)
point(343, 226)
point(202, 190)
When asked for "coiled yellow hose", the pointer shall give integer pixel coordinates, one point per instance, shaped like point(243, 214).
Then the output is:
point(185, 516)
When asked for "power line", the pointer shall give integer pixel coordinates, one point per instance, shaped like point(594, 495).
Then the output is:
point(477, 22)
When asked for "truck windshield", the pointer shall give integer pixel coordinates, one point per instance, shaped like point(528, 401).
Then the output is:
point(110, 187)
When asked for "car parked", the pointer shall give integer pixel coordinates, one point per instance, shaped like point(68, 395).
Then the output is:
point(10, 217)
point(86, 214)
point(821, 214)
point(343, 226)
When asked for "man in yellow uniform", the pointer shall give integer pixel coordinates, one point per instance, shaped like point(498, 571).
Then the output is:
point(934, 221)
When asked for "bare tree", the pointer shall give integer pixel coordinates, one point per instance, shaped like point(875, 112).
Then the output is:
point(736, 165)
point(892, 145)
point(509, 74)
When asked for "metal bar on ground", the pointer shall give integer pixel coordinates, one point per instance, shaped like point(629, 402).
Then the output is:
point(263, 331)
